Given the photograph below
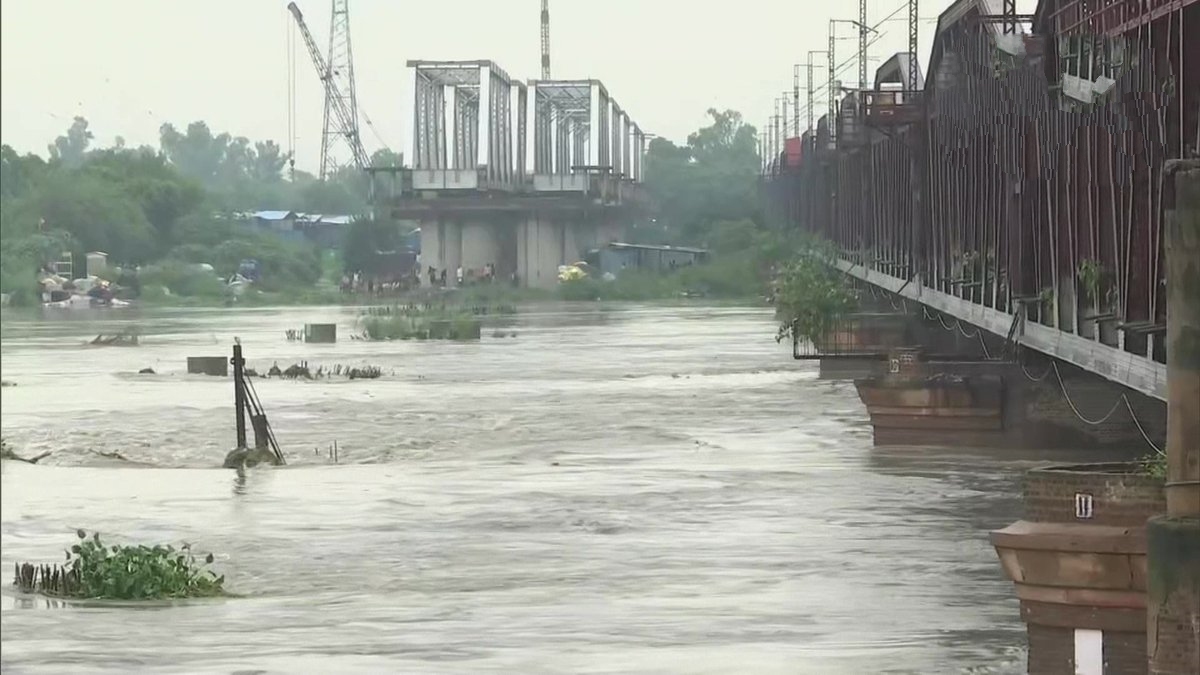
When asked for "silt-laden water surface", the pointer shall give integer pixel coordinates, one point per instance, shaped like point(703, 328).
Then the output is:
point(616, 489)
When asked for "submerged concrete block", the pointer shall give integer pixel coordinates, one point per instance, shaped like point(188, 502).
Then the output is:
point(217, 366)
point(320, 332)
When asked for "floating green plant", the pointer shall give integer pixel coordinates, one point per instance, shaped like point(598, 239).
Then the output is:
point(94, 570)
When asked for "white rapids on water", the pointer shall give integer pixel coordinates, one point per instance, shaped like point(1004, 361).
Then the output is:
point(618, 489)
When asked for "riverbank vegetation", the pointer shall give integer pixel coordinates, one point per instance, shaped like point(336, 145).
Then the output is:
point(421, 323)
point(169, 210)
point(705, 195)
point(811, 294)
point(94, 570)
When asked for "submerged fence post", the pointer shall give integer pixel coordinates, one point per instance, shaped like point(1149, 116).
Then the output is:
point(239, 394)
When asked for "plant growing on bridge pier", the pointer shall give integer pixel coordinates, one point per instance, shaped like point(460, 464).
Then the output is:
point(812, 294)
point(1096, 281)
point(94, 570)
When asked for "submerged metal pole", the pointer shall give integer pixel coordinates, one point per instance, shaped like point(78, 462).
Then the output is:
point(239, 394)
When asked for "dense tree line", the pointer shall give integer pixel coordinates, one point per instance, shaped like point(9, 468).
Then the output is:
point(146, 204)
point(707, 188)
point(705, 193)
point(163, 205)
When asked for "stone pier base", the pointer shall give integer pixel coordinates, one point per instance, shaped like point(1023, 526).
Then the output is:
point(1078, 562)
point(1173, 598)
point(997, 404)
point(848, 367)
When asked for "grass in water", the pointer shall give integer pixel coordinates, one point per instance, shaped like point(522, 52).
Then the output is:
point(422, 326)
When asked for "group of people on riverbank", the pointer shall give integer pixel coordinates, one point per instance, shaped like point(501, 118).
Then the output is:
point(359, 283)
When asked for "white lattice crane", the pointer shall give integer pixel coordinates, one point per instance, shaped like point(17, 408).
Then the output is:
point(337, 79)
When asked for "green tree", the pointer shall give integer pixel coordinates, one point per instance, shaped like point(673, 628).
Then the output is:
point(364, 238)
point(385, 157)
point(98, 213)
point(70, 149)
point(344, 193)
point(162, 193)
point(197, 153)
point(19, 174)
point(711, 179)
point(268, 162)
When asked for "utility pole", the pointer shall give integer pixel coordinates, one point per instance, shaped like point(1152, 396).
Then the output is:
point(545, 39)
point(862, 45)
point(796, 98)
point(810, 84)
point(913, 23)
point(831, 120)
point(783, 103)
point(863, 29)
point(778, 137)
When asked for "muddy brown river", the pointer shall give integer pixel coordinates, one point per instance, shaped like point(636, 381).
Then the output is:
point(616, 489)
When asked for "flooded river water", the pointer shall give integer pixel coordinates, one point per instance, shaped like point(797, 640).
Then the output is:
point(614, 490)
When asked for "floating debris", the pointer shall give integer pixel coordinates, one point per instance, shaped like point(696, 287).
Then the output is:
point(297, 371)
point(126, 339)
point(301, 370)
point(6, 452)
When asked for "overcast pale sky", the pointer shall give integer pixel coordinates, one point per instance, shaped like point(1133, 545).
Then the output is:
point(130, 65)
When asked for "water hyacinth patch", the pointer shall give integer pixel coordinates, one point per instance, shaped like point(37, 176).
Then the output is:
point(94, 570)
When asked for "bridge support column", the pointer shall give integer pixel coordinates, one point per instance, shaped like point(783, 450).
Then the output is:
point(910, 405)
point(855, 348)
point(965, 393)
point(453, 250)
point(441, 249)
point(1078, 563)
point(432, 250)
point(1173, 541)
point(540, 243)
point(480, 245)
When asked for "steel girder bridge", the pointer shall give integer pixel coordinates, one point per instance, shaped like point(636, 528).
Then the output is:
point(1020, 185)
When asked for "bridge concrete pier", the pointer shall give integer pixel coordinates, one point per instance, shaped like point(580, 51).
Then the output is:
point(518, 239)
point(441, 249)
point(958, 385)
point(1173, 540)
point(542, 245)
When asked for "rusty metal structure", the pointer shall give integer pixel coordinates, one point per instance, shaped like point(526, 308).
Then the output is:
point(1018, 184)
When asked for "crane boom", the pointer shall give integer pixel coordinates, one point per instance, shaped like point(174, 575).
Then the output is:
point(345, 117)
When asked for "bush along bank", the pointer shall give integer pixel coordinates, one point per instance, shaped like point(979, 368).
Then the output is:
point(810, 294)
